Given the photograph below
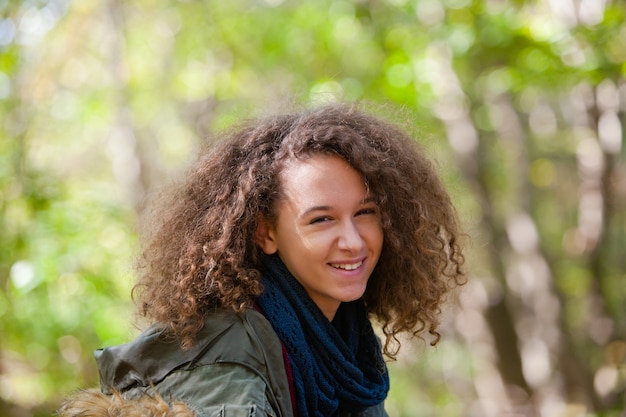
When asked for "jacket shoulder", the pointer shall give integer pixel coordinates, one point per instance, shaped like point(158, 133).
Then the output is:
point(233, 340)
point(154, 354)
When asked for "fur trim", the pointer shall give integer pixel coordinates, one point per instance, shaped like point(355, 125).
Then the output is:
point(93, 403)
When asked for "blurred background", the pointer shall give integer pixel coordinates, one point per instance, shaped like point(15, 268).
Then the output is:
point(522, 103)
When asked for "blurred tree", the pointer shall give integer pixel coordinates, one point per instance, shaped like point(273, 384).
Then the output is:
point(521, 102)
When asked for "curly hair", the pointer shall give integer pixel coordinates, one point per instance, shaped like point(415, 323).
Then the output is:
point(201, 254)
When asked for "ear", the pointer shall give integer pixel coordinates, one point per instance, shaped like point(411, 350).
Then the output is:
point(264, 236)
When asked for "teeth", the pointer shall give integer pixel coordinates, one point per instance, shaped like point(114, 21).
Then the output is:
point(347, 267)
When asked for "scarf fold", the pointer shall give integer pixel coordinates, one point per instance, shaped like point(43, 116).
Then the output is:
point(337, 366)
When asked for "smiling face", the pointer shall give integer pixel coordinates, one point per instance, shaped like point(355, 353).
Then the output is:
point(328, 230)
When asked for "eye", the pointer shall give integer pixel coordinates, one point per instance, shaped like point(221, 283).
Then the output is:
point(367, 211)
point(320, 219)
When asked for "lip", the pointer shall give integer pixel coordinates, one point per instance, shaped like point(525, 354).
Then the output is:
point(351, 265)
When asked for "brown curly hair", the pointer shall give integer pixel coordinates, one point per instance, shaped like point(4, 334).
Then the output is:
point(201, 253)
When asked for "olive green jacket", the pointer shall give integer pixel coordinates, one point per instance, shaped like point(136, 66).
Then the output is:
point(235, 369)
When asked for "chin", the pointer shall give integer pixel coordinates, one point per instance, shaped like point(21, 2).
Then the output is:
point(352, 296)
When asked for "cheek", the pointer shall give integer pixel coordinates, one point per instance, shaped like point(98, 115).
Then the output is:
point(374, 234)
point(318, 243)
point(379, 240)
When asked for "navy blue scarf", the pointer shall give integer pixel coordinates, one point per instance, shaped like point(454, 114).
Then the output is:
point(336, 366)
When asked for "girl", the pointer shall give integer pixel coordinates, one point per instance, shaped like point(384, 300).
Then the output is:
point(261, 271)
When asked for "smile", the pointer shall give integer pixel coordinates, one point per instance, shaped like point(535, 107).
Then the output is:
point(347, 267)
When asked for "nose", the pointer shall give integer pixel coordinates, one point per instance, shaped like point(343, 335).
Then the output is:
point(349, 238)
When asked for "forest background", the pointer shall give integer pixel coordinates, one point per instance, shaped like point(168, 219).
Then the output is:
point(521, 102)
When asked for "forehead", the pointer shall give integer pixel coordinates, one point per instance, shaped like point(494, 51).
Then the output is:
point(316, 167)
point(321, 175)
point(314, 162)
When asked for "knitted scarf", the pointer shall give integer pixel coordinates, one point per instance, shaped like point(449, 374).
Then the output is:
point(336, 366)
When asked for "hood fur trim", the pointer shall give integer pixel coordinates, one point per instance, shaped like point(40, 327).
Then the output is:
point(93, 403)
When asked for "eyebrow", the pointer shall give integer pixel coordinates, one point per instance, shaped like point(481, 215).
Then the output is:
point(310, 210)
point(370, 199)
point(313, 209)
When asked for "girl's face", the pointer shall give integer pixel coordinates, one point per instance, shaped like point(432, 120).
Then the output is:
point(328, 230)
